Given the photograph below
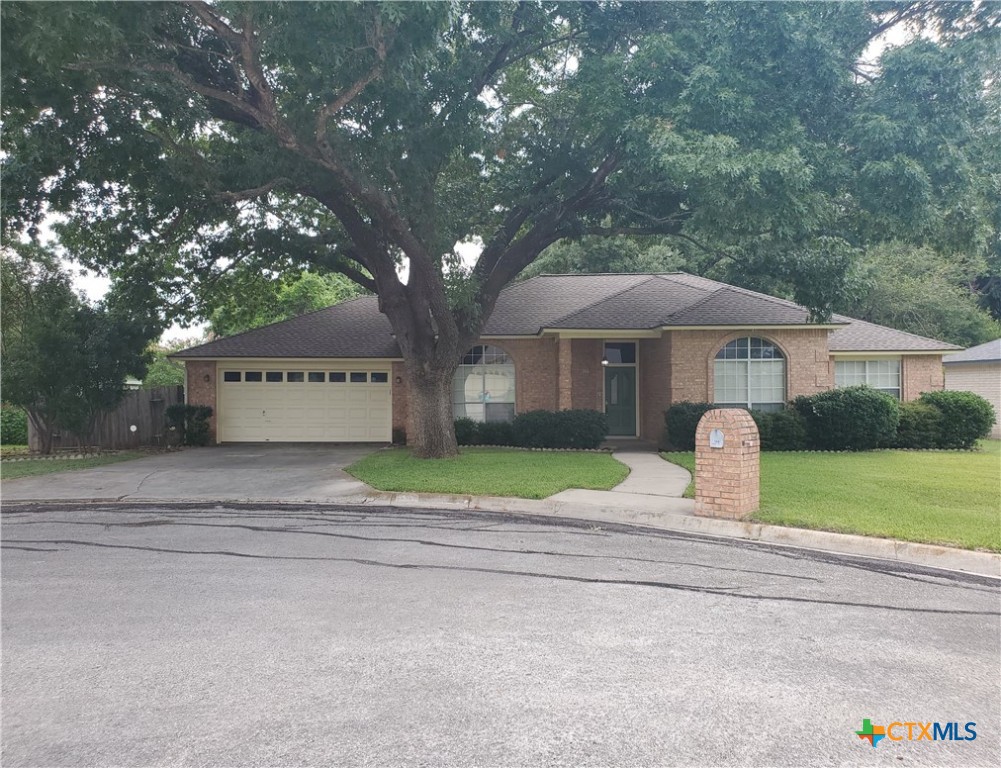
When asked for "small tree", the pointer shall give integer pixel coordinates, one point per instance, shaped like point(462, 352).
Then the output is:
point(63, 360)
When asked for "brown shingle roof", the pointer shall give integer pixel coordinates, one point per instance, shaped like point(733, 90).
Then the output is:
point(861, 336)
point(356, 328)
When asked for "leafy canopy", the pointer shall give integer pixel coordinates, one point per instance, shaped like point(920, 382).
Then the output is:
point(62, 360)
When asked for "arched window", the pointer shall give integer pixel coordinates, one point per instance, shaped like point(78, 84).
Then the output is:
point(750, 373)
point(483, 386)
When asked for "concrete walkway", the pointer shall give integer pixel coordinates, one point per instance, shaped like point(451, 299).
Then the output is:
point(653, 486)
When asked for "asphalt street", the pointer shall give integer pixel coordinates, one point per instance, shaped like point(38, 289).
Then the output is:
point(256, 635)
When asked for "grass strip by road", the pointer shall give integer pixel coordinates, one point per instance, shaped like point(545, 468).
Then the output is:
point(10, 470)
point(933, 497)
point(490, 472)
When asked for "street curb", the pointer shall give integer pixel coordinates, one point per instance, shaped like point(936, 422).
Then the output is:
point(928, 555)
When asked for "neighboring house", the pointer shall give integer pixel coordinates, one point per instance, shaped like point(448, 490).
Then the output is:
point(626, 344)
point(978, 369)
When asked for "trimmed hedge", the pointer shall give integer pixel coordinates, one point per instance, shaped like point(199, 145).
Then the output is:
point(783, 430)
point(681, 420)
point(580, 429)
point(13, 425)
point(919, 425)
point(191, 422)
point(966, 417)
point(849, 419)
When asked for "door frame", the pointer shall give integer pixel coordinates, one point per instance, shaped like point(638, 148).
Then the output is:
point(636, 368)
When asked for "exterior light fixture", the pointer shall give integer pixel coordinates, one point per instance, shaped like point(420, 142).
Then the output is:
point(604, 360)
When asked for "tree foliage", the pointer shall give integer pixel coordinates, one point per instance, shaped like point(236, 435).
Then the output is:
point(250, 301)
point(917, 289)
point(185, 140)
point(62, 360)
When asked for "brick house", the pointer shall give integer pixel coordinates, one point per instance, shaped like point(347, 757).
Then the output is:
point(626, 344)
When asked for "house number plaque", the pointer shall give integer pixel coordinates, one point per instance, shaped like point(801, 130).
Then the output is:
point(716, 438)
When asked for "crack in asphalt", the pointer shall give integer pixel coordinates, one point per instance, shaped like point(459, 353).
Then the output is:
point(428, 543)
point(718, 591)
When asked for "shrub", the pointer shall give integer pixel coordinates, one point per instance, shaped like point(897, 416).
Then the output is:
point(919, 425)
point(191, 422)
point(13, 425)
point(583, 428)
point(536, 429)
point(783, 430)
point(682, 419)
point(494, 433)
point(849, 419)
point(966, 417)
point(579, 428)
point(465, 431)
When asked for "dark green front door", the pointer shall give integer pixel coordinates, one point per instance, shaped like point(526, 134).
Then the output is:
point(620, 400)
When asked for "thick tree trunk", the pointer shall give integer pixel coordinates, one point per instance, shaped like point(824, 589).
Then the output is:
point(431, 421)
point(44, 430)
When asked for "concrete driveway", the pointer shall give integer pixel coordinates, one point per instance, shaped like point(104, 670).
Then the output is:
point(201, 635)
point(299, 473)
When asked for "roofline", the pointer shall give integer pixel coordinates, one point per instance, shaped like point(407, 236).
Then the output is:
point(972, 361)
point(885, 352)
point(286, 358)
point(755, 327)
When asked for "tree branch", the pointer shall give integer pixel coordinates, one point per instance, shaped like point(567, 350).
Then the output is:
point(348, 95)
point(252, 194)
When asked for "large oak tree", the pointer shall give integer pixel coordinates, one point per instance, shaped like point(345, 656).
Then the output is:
point(179, 141)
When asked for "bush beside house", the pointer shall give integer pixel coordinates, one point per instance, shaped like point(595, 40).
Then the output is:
point(191, 422)
point(575, 429)
point(853, 419)
point(849, 419)
point(965, 417)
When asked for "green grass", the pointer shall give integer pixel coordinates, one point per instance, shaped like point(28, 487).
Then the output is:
point(10, 470)
point(490, 472)
point(936, 497)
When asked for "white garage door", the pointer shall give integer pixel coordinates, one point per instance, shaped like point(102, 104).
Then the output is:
point(293, 405)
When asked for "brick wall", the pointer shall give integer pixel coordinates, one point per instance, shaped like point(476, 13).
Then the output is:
point(198, 391)
point(655, 385)
point(536, 371)
point(588, 374)
point(808, 367)
point(920, 373)
point(727, 477)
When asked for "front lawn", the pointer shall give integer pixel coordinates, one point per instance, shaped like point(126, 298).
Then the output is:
point(490, 472)
point(937, 497)
point(9, 470)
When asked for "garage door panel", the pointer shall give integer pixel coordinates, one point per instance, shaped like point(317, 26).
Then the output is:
point(308, 411)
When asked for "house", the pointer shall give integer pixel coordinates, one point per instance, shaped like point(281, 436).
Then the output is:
point(627, 344)
point(978, 369)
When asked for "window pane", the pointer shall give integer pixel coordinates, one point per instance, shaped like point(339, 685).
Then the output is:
point(296, 376)
point(338, 377)
point(231, 376)
point(315, 377)
point(483, 387)
point(252, 376)
point(273, 376)
point(378, 377)
point(620, 353)
point(358, 377)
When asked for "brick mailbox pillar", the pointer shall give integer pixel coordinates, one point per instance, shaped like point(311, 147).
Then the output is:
point(727, 473)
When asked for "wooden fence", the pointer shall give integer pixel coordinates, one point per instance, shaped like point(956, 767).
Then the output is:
point(145, 409)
